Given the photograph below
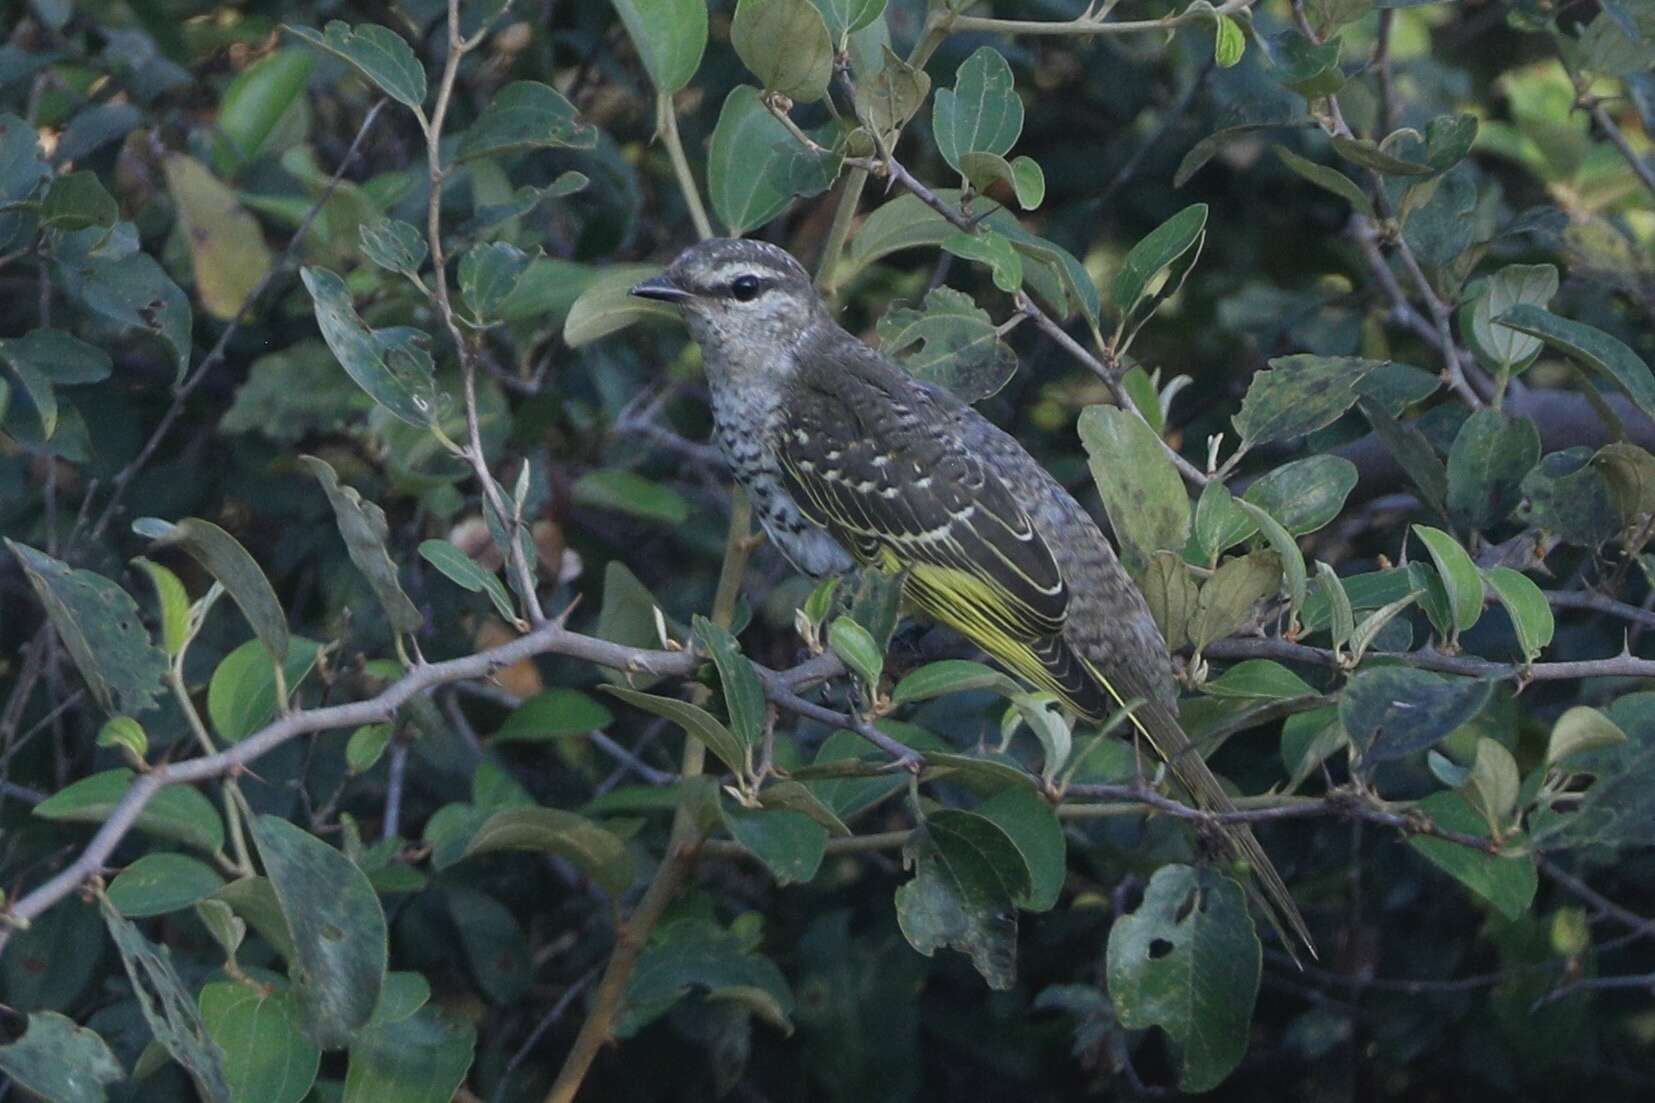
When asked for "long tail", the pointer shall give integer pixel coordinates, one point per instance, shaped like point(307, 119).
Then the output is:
point(1161, 730)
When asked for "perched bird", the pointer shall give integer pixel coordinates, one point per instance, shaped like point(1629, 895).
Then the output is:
point(850, 461)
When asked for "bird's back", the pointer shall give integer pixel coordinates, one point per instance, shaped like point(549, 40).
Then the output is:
point(1107, 621)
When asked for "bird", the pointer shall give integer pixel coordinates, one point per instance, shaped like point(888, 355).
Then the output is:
point(852, 463)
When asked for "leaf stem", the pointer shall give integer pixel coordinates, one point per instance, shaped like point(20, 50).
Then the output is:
point(666, 124)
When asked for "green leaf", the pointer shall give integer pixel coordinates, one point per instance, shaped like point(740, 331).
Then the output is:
point(785, 44)
point(77, 200)
point(754, 165)
point(362, 524)
point(401, 995)
point(1171, 595)
point(1328, 179)
point(1341, 614)
point(241, 697)
point(993, 249)
point(1029, 821)
point(743, 692)
point(951, 676)
point(1228, 42)
point(1491, 454)
point(489, 273)
point(1188, 961)
point(523, 115)
point(266, 1058)
point(607, 305)
point(394, 245)
point(1219, 524)
point(962, 350)
point(22, 171)
point(789, 843)
point(1207, 148)
point(1493, 782)
point(1412, 452)
point(1378, 157)
point(981, 113)
point(378, 54)
point(338, 929)
point(366, 745)
point(174, 606)
point(126, 733)
point(1295, 578)
point(59, 1061)
point(391, 365)
point(858, 649)
point(48, 964)
point(1027, 179)
point(254, 901)
point(1229, 599)
point(1526, 605)
point(1262, 679)
point(44, 358)
point(1443, 228)
point(238, 572)
point(1569, 495)
point(1581, 730)
point(1393, 711)
point(1299, 395)
point(493, 943)
point(886, 100)
point(134, 292)
point(1310, 69)
point(1511, 286)
point(1141, 490)
point(258, 99)
point(420, 1059)
point(695, 953)
point(796, 796)
point(696, 721)
point(176, 812)
point(1506, 883)
point(599, 853)
point(846, 17)
point(167, 1006)
point(465, 572)
point(1306, 494)
point(960, 897)
point(159, 883)
point(98, 623)
point(624, 491)
point(1459, 574)
point(552, 715)
point(670, 37)
point(227, 249)
point(1156, 267)
point(1595, 349)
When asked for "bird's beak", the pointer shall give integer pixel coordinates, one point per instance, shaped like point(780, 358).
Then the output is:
point(661, 288)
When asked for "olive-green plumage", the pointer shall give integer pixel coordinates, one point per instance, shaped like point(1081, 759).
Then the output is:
point(851, 461)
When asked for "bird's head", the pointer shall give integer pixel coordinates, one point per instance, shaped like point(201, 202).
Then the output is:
point(739, 294)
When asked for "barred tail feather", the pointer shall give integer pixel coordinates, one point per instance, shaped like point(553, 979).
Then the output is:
point(1161, 730)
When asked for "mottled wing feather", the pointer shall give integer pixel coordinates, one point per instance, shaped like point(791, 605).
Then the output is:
point(875, 468)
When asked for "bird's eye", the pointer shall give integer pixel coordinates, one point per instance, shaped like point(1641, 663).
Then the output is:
point(745, 289)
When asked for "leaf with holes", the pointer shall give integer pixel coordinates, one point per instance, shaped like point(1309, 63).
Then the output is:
point(981, 113)
point(959, 345)
point(967, 872)
point(167, 1007)
point(1188, 961)
point(98, 623)
point(338, 930)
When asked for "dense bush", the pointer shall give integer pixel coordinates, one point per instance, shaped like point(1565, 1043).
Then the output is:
point(514, 765)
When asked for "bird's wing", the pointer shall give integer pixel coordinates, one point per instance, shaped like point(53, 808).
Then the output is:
point(877, 464)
